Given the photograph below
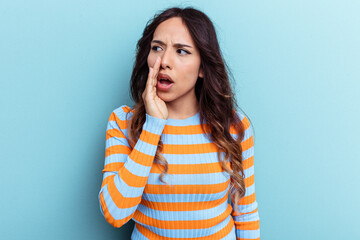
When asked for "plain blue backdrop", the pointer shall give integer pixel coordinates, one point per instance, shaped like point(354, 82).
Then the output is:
point(65, 65)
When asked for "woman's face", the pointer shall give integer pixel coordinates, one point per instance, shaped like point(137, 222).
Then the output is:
point(180, 59)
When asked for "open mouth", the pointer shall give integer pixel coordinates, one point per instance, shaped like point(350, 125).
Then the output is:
point(164, 79)
point(165, 82)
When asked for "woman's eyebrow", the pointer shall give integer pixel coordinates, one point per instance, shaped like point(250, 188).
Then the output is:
point(175, 44)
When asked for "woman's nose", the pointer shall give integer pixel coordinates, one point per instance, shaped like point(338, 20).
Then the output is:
point(166, 60)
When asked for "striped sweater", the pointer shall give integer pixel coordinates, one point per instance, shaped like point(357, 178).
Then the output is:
point(197, 205)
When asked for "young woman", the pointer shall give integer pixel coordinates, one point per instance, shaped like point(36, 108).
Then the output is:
point(180, 162)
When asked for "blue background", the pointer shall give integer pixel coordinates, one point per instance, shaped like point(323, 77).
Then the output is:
point(65, 65)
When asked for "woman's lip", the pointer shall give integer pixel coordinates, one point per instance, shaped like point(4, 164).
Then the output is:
point(161, 87)
point(164, 76)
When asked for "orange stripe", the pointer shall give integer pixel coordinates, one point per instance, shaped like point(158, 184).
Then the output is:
point(119, 200)
point(145, 136)
point(131, 179)
point(116, 149)
point(248, 199)
point(249, 181)
point(183, 206)
point(121, 123)
point(190, 168)
point(248, 225)
point(247, 144)
point(127, 109)
point(185, 130)
point(114, 133)
point(107, 180)
point(186, 224)
point(219, 235)
point(109, 218)
point(174, 168)
point(149, 137)
point(200, 148)
point(189, 148)
point(248, 163)
point(141, 158)
point(245, 200)
point(186, 189)
point(112, 117)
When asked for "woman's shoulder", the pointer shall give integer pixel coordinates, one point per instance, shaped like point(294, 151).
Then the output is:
point(245, 120)
point(242, 117)
point(122, 111)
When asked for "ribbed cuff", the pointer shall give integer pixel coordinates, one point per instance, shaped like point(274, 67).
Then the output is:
point(154, 125)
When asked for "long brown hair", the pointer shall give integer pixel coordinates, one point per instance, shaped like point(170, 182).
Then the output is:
point(212, 90)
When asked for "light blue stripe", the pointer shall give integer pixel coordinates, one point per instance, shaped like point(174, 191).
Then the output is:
point(185, 139)
point(184, 197)
point(196, 138)
point(126, 190)
point(145, 146)
point(249, 234)
point(193, 120)
point(189, 179)
point(248, 153)
point(154, 125)
point(248, 207)
point(106, 174)
point(121, 114)
point(231, 235)
point(112, 124)
point(183, 215)
point(193, 158)
point(113, 141)
point(115, 212)
point(249, 190)
point(249, 172)
point(125, 133)
point(248, 133)
point(241, 115)
point(116, 158)
point(137, 169)
point(189, 233)
point(247, 217)
point(131, 166)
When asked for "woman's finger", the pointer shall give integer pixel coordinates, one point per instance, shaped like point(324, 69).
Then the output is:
point(149, 80)
point(156, 70)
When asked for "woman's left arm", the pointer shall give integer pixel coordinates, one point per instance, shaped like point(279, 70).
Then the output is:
point(247, 223)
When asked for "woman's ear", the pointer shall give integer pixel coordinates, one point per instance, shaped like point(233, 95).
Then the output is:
point(201, 73)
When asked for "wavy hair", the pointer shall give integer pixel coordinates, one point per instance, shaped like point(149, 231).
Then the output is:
point(213, 89)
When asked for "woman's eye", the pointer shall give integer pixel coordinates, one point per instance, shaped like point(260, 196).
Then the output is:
point(183, 51)
point(155, 48)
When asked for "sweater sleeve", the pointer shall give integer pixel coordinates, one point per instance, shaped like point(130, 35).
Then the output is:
point(247, 223)
point(126, 170)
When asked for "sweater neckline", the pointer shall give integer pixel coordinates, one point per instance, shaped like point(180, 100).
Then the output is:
point(182, 122)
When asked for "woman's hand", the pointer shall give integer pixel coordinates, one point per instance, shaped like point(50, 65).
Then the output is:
point(154, 106)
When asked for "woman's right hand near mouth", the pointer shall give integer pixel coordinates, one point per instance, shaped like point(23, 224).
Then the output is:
point(154, 106)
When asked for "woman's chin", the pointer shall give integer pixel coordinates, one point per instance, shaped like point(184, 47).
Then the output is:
point(164, 96)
